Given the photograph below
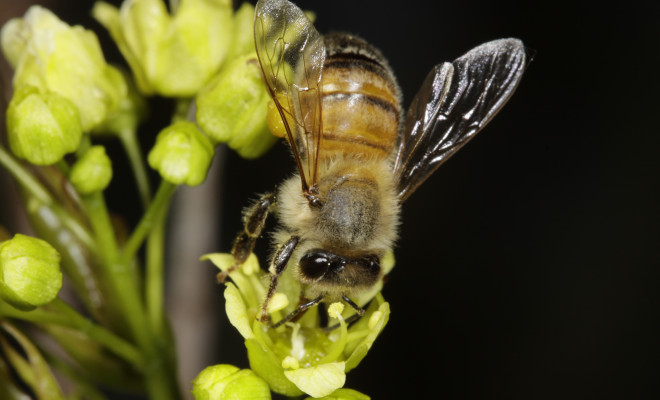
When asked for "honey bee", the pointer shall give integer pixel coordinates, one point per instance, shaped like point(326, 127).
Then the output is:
point(338, 104)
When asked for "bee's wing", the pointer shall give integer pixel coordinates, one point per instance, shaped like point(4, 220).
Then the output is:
point(291, 53)
point(456, 100)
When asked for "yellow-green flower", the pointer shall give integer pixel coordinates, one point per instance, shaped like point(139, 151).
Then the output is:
point(232, 109)
point(92, 172)
point(30, 273)
point(42, 127)
point(182, 154)
point(55, 57)
point(226, 382)
point(242, 40)
point(171, 55)
point(132, 110)
point(300, 357)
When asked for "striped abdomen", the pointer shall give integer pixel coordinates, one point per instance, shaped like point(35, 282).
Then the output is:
point(361, 100)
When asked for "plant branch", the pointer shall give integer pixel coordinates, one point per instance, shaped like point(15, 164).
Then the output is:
point(36, 189)
point(70, 318)
point(131, 145)
point(150, 217)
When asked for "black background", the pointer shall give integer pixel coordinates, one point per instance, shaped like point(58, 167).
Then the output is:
point(527, 266)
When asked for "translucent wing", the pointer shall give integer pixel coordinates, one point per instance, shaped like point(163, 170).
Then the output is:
point(455, 102)
point(291, 54)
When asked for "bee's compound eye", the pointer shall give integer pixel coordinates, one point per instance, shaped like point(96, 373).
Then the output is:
point(315, 264)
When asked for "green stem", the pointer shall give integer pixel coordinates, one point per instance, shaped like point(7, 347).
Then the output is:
point(149, 219)
point(32, 185)
point(154, 284)
point(85, 144)
point(159, 376)
point(63, 167)
point(131, 145)
point(126, 293)
point(68, 317)
point(111, 341)
point(102, 226)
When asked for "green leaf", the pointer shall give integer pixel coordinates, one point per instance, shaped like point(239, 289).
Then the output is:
point(8, 388)
point(33, 369)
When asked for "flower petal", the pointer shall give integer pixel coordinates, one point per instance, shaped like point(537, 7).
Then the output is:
point(237, 312)
point(320, 380)
point(265, 363)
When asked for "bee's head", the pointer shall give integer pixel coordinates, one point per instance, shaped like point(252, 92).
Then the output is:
point(322, 267)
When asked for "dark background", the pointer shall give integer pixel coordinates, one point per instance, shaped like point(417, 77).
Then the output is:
point(528, 265)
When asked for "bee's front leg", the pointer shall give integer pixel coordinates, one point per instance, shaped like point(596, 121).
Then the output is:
point(278, 265)
point(254, 220)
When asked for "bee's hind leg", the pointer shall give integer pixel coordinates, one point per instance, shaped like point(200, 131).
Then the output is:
point(254, 220)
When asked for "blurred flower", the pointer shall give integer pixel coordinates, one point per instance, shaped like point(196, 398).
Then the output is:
point(132, 110)
point(172, 55)
point(232, 109)
point(55, 57)
point(303, 356)
point(182, 154)
point(92, 172)
point(226, 382)
point(30, 273)
point(242, 40)
point(42, 127)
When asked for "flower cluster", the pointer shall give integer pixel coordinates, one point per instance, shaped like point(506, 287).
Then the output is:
point(201, 55)
point(299, 357)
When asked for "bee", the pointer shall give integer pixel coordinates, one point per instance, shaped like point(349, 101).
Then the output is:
point(336, 101)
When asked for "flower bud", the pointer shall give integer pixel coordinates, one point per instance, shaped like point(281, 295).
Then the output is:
point(232, 109)
point(42, 127)
point(172, 55)
point(182, 154)
point(92, 172)
point(225, 382)
point(54, 57)
point(30, 273)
